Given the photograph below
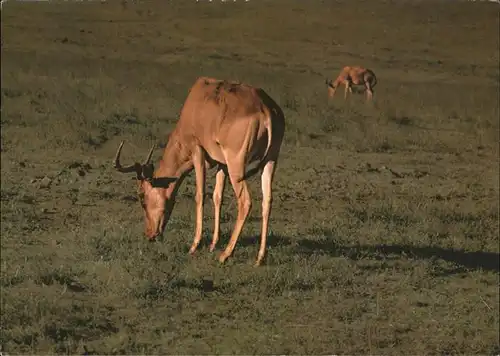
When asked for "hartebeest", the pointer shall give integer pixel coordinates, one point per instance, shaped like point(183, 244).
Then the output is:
point(350, 76)
point(225, 124)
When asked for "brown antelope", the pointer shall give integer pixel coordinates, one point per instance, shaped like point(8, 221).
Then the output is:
point(353, 76)
point(225, 124)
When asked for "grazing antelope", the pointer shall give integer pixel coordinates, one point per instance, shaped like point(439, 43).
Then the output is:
point(225, 124)
point(353, 76)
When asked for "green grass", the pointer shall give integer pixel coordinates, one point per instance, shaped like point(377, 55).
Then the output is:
point(385, 217)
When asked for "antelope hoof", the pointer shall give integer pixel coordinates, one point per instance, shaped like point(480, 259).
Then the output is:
point(222, 258)
point(212, 248)
point(192, 250)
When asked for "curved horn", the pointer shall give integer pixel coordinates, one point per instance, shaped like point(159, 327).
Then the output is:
point(118, 166)
point(149, 155)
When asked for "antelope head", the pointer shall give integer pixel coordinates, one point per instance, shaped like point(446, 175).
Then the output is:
point(152, 192)
point(331, 87)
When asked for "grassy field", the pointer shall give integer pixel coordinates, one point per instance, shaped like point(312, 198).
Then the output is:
point(385, 220)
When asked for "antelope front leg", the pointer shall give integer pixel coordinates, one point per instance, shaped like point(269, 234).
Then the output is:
point(199, 168)
point(267, 198)
point(347, 88)
point(220, 181)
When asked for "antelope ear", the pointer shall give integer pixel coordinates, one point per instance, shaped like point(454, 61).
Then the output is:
point(147, 171)
point(162, 182)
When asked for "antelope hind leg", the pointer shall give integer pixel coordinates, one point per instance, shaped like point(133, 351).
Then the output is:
point(244, 205)
point(267, 198)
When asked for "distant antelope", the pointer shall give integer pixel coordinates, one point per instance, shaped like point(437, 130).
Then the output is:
point(353, 76)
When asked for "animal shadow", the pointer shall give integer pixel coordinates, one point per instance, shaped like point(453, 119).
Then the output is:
point(477, 260)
